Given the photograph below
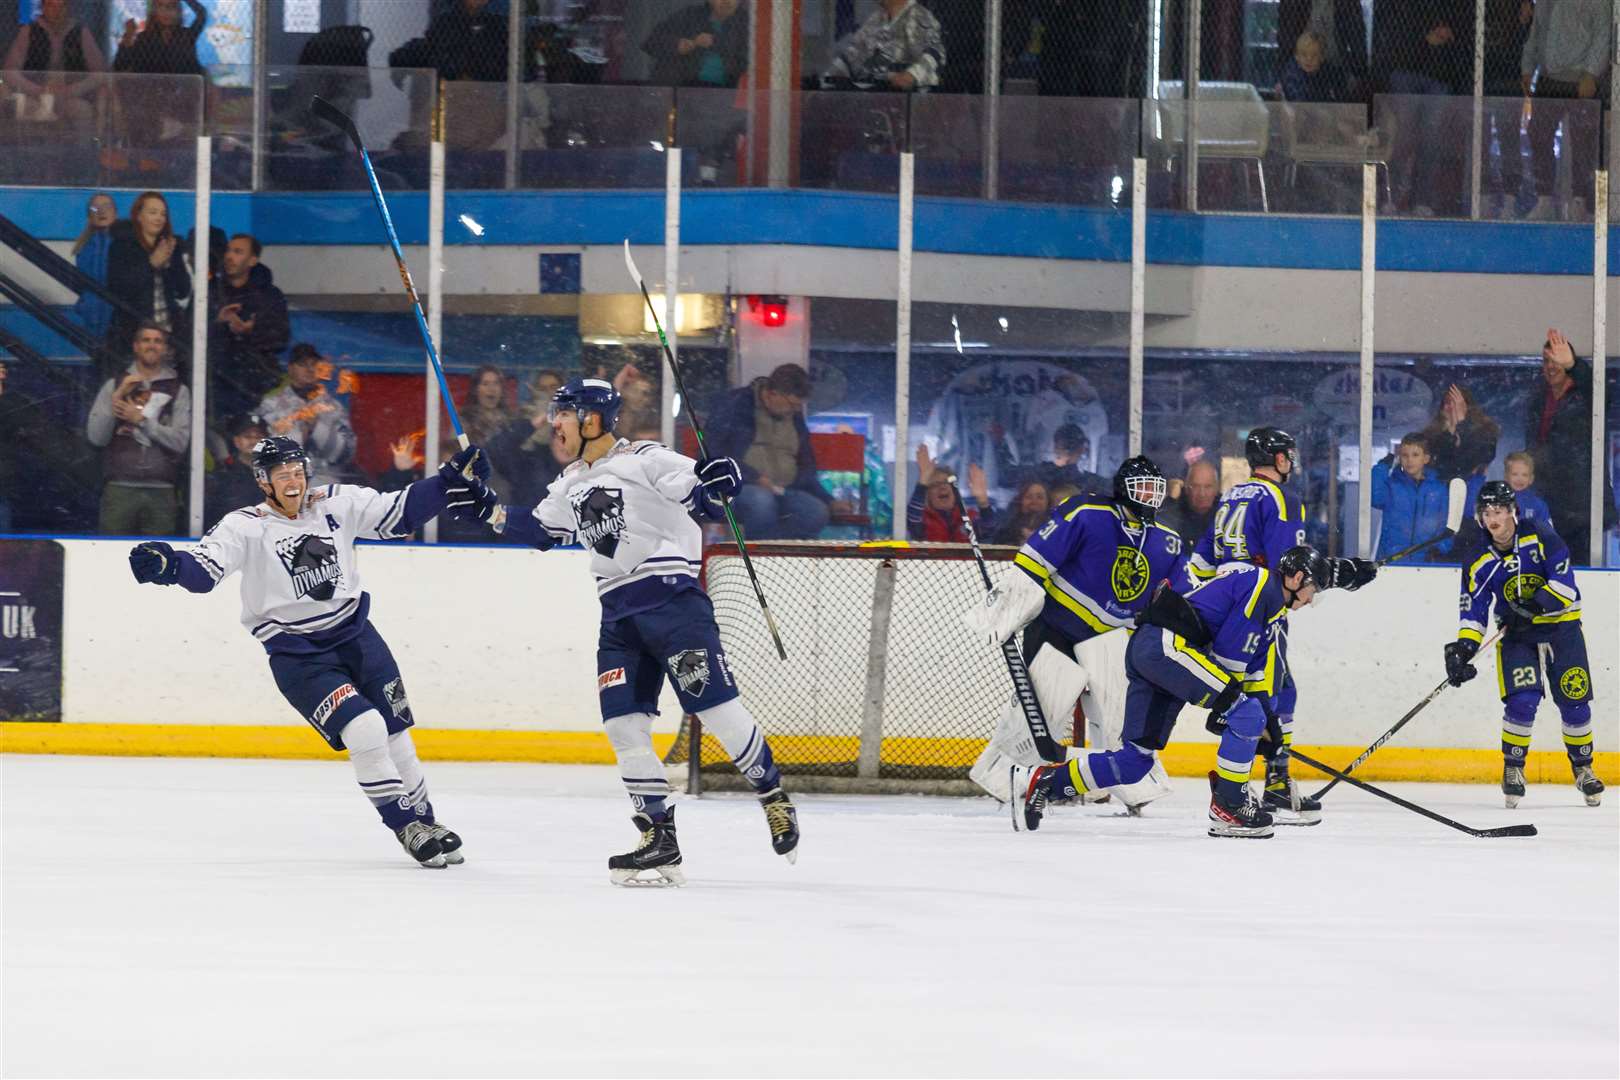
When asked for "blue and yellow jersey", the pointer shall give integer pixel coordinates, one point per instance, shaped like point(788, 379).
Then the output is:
point(1241, 607)
point(1534, 575)
point(1097, 568)
point(1254, 523)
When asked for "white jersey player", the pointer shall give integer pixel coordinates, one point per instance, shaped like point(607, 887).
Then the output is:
point(631, 504)
point(302, 600)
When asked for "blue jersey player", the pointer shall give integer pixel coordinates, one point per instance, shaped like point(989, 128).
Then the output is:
point(1214, 647)
point(1255, 523)
point(1523, 570)
point(632, 505)
point(1081, 577)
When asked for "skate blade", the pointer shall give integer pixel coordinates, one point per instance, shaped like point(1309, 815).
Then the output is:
point(1594, 800)
point(1512, 801)
point(435, 863)
point(1246, 834)
point(662, 877)
point(791, 855)
point(453, 858)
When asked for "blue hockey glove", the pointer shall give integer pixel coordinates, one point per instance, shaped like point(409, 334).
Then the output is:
point(471, 500)
point(1458, 655)
point(469, 464)
point(721, 479)
point(154, 561)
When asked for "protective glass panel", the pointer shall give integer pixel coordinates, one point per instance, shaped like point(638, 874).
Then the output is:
point(393, 111)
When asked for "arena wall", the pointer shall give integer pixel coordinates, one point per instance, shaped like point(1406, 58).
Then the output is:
point(497, 649)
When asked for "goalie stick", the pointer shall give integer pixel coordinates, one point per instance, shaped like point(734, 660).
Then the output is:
point(1506, 830)
point(1023, 688)
point(697, 429)
point(339, 119)
point(1456, 500)
point(1385, 737)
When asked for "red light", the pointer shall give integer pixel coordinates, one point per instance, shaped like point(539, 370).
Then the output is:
point(774, 312)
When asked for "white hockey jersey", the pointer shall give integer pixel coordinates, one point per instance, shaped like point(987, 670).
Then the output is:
point(632, 508)
point(300, 581)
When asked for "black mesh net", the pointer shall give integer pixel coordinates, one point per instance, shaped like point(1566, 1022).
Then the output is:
point(882, 681)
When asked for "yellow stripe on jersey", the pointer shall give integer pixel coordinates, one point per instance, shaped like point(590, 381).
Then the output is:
point(1254, 597)
point(1268, 677)
point(1056, 593)
point(1468, 633)
point(1179, 643)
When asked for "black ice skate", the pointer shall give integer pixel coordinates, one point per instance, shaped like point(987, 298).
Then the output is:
point(1512, 785)
point(1244, 820)
point(1037, 794)
point(784, 822)
point(449, 844)
point(658, 857)
point(1588, 783)
point(420, 844)
point(1287, 804)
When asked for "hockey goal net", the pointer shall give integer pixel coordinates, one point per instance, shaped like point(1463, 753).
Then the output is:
point(883, 689)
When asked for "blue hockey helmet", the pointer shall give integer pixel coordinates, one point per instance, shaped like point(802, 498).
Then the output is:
point(583, 396)
point(274, 451)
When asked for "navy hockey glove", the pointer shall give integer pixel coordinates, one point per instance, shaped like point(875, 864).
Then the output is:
point(469, 464)
point(721, 479)
point(1351, 574)
point(1224, 702)
point(1458, 655)
point(1271, 744)
point(154, 561)
point(471, 500)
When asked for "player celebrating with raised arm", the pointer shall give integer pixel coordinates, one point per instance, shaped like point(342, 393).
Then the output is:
point(1088, 571)
point(631, 504)
point(1256, 522)
point(1214, 648)
point(1524, 570)
point(301, 599)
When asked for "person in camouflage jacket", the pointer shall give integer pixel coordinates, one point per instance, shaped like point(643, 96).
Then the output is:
point(900, 47)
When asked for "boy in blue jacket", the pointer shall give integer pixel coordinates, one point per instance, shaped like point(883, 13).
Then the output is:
point(1519, 470)
point(1412, 497)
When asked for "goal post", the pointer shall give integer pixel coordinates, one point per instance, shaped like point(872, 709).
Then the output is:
point(884, 689)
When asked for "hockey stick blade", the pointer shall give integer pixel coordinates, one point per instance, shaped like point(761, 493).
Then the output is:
point(1507, 830)
point(337, 118)
point(1456, 503)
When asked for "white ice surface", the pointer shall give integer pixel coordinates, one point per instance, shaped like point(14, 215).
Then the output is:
point(233, 918)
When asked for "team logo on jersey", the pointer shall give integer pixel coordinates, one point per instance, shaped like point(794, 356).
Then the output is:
point(1519, 588)
point(690, 670)
point(312, 563)
point(600, 513)
point(394, 694)
point(1131, 574)
point(1575, 683)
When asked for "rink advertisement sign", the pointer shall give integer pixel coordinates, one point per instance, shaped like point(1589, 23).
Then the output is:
point(30, 630)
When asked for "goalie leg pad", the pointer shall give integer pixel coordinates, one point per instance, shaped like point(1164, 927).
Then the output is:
point(639, 767)
point(1102, 661)
point(1154, 784)
point(992, 773)
point(1058, 681)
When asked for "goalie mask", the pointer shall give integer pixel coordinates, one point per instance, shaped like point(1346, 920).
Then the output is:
point(1140, 486)
point(1265, 443)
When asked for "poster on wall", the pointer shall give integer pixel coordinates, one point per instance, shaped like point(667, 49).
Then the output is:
point(30, 630)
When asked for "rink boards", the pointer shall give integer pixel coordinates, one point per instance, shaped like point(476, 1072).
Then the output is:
point(497, 647)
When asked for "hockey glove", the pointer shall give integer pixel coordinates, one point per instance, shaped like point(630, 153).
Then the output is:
point(1351, 574)
point(1271, 744)
point(1458, 655)
point(1225, 701)
point(471, 500)
point(155, 562)
point(469, 464)
point(721, 479)
point(1007, 609)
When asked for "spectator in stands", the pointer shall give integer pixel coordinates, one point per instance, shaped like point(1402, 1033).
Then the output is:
point(1507, 28)
point(231, 484)
point(933, 512)
point(164, 46)
point(1462, 439)
point(303, 410)
point(1519, 470)
point(1566, 57)
point(641, 415)
point(142, 417)
point(1428, 51)
point(1192, 510)
point(54, 65)
point(467, 40)
point(1308, 77)
point(90, 254)
point(1412, 497)
point(1029, 510)
point(1559, 423)
point(145, 272)
point(1071, 449)
point(762, 426)
point(899, 47)
point(523, 450)
point(484, 412)
point(248, 328)
point(701, 45)
point(1342, 26)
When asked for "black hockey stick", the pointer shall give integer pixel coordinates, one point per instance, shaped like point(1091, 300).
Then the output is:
point(697, 429)
point(1023, 688)
point(1506, 830)
point(1385, 737)
point(339, 119)
point(1456, 498)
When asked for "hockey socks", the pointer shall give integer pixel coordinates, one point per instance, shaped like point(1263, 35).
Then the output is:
point(734, 726)
point(639, 766)
point(366, 738)
point(1244, 725)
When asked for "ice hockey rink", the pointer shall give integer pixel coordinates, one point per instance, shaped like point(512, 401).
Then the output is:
point(174, 917)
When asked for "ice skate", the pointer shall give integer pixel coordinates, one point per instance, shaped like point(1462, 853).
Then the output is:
point(420, 844)
point(1037, 788)
point(1287, 804)
point(1513, 785)
point(656, 862)
point(1588, 783)
point(449, 844)
point(783, 819)
point(1245, 820)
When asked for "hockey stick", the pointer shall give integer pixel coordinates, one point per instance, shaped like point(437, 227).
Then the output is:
point(1385, 737)
point(337, 118)
point(1456, 498)
point(1506, 830)
point(1023, 688)
point(697, 429)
